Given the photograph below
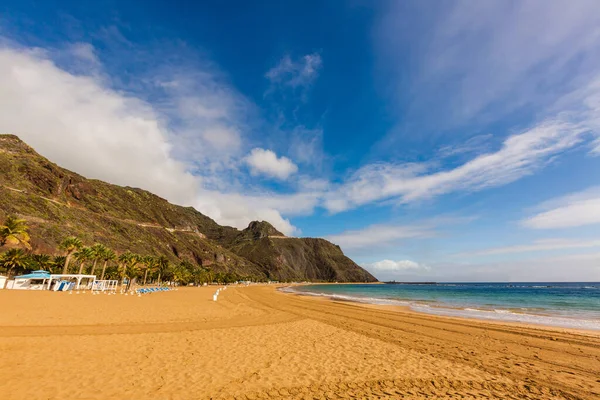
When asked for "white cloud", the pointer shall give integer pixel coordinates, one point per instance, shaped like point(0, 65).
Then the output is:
point(294, 74)
point(82, 123)
point(520, 155)
point(84, 126)
point(266, 162)
point(567, 212)
point(233, 209)
point(536, 246)
point(396, 266)
point(379, 235)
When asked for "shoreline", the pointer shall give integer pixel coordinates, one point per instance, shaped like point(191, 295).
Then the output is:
point(409, 310)
point(257, 342)
point(440, 309)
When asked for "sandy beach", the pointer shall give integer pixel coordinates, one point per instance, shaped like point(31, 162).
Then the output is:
point(256, 342)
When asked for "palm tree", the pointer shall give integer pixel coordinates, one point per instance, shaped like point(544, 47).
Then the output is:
point(123, 258)
point(132, 270)
point(128, 262)
point(162, 264)
point(205, 275)
point(97, 249)
point(14, 231)
point(69, 245)
point(182, 273)
point(57, 264)
point(14, 258)
point(149, 263)
point(84, 255)
point(107, 255)
point(41, 261)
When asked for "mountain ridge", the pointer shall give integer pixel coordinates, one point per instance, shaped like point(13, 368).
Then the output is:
point(57, 203)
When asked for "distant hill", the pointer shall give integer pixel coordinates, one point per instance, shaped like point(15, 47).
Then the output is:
point(59, 203)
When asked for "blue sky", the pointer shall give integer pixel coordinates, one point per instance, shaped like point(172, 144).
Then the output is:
point(443, 141)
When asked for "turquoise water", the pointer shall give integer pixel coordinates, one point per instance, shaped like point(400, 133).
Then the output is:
point(569, 305)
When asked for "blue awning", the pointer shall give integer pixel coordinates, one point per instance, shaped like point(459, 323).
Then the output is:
point(39, 274)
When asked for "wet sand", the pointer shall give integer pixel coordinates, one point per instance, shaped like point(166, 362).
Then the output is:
point(256, 342)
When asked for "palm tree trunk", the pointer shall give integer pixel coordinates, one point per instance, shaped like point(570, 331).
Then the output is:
point(94, 266)
point(123, 274)
point(103, 270)
point(158, 280)
point(131, 283)
point(145, 276)
point(81, 268)
point(66, 266)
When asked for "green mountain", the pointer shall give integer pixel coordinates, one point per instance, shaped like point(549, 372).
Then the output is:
point(58, 203)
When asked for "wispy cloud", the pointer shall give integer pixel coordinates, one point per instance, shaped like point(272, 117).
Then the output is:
point(306, 147)
point(520, 155)
point(295, 73)
point(541, 245)
point(491, 58)
point(208, 120)
point(596, 149)
point(570, 211)
point(476, 145)
point(380, 235)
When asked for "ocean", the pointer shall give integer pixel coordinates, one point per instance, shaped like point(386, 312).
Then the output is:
point(567, 305)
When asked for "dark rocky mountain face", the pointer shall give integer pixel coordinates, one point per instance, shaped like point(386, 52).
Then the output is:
point(58, 203)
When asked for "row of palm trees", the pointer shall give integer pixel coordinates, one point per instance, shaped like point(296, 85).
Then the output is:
point(125, 266)
point(74, 248)
point(129, 264)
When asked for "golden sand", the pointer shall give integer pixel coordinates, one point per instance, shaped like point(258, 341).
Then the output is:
point(258, 343)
